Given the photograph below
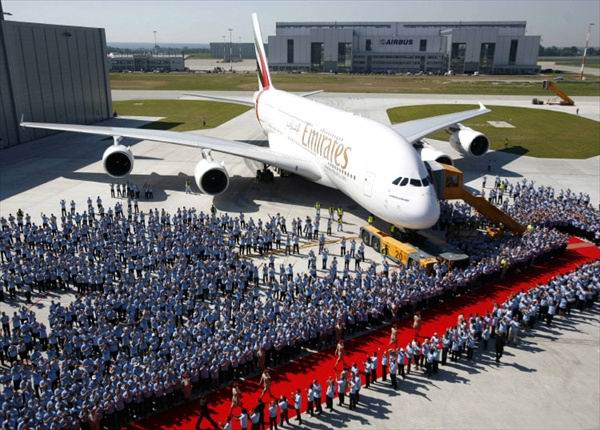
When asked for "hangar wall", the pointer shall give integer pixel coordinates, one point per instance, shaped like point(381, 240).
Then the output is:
point(51, 73)
point(501, 47)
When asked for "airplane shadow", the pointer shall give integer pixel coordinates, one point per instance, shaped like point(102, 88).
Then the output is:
point(28, 165)
point(244, 193)
point(492, 163)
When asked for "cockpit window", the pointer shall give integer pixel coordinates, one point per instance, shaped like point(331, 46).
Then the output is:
point(404, 182)
point(425, 181)
point(397, 181)
point(415, 182)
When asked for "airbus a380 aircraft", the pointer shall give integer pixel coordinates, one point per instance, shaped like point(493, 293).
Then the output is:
point(381, 167)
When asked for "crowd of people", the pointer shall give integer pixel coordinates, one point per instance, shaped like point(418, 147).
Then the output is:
point(544, 206)
point(170, 302)
point(565, 210)
point(469, 339)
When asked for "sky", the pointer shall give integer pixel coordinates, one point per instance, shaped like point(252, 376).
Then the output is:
point(560, 23)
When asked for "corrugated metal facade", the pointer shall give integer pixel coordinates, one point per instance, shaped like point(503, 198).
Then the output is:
point(221, 50)
point(404, 46)
point(51, 73)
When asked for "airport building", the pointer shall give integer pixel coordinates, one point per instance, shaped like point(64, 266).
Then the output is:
point(50, 73)
point(499, 47)
point(238, 51)
point(146, 62)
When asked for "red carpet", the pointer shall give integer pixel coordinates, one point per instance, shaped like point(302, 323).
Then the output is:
point(320, 365)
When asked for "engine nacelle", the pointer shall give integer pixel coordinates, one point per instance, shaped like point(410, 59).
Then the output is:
point(469, 142)
point(211, 177)
point(430, 154)
point(117, 161)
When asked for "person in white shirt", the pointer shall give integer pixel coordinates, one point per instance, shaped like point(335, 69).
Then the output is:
point(283, 410)
point(310, 400)
point(243, 418)
point(298, 405)
point(330, 393)
point(374, 363)
point(317, 396)
point(273, 415)
point(255, 420)
point(342, 385)
point(393, 371)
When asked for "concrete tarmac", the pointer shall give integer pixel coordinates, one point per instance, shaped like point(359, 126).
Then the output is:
point(550, 381)
point(593, 71)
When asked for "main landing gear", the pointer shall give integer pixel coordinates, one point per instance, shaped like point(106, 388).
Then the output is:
point(264, 175)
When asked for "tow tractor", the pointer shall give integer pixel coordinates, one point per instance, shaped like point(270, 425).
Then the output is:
point(426, 249)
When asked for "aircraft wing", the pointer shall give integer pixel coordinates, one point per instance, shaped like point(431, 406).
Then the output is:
point(302, 167)
point(248, 101)
point(242, 100)
point(419, 128)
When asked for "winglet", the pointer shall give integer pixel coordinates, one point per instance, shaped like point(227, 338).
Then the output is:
point(482, 106)
point(22, 120)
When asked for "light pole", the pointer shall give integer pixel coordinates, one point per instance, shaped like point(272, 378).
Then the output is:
point(230, 50)
point(224, 47)
point(587, 44)
point(155, 44)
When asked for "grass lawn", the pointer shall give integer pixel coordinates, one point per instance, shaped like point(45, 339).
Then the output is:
point(593, 62)
point(509, 85)
point(181, 115)
point(537, 133)
point(199, 56)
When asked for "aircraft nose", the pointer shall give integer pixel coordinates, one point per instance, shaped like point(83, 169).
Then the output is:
point(423, 212)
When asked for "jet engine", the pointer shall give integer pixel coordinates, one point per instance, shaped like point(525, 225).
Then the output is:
point(469, 142)
point(117, 161)
point(430, 154)
point(211, 177)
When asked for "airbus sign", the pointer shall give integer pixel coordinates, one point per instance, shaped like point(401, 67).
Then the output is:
point(396, 41)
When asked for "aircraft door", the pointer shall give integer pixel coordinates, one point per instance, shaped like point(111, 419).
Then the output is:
point(368, 186)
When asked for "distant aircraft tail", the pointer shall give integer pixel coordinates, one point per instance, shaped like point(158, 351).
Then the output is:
point(264, 77)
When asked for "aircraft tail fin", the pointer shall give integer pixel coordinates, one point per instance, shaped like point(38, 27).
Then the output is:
point(264, 77)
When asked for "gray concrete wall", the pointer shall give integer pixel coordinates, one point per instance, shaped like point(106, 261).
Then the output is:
point(56, 74)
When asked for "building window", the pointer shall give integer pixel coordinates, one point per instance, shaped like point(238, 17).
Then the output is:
point(512, 56)
point(316, 56)
point(486, 57)
point(457, 59)
point(344, 55)
point(423, 45)
point(368, 46)
point(290, 51)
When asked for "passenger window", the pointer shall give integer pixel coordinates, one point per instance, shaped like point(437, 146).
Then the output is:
point(415, 182)
point(397, 181)
point(404, 182)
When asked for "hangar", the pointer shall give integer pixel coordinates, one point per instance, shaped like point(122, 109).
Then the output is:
point(146, 62)
point(237, 51)
point(51, 73)
point(498, 47)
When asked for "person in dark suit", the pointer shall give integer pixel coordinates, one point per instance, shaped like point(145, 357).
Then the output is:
point(204, 413)
point(499, 347)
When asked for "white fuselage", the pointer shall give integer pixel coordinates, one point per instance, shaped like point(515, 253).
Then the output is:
point(358, 156)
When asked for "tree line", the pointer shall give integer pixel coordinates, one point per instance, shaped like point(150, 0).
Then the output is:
point(565, 51)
